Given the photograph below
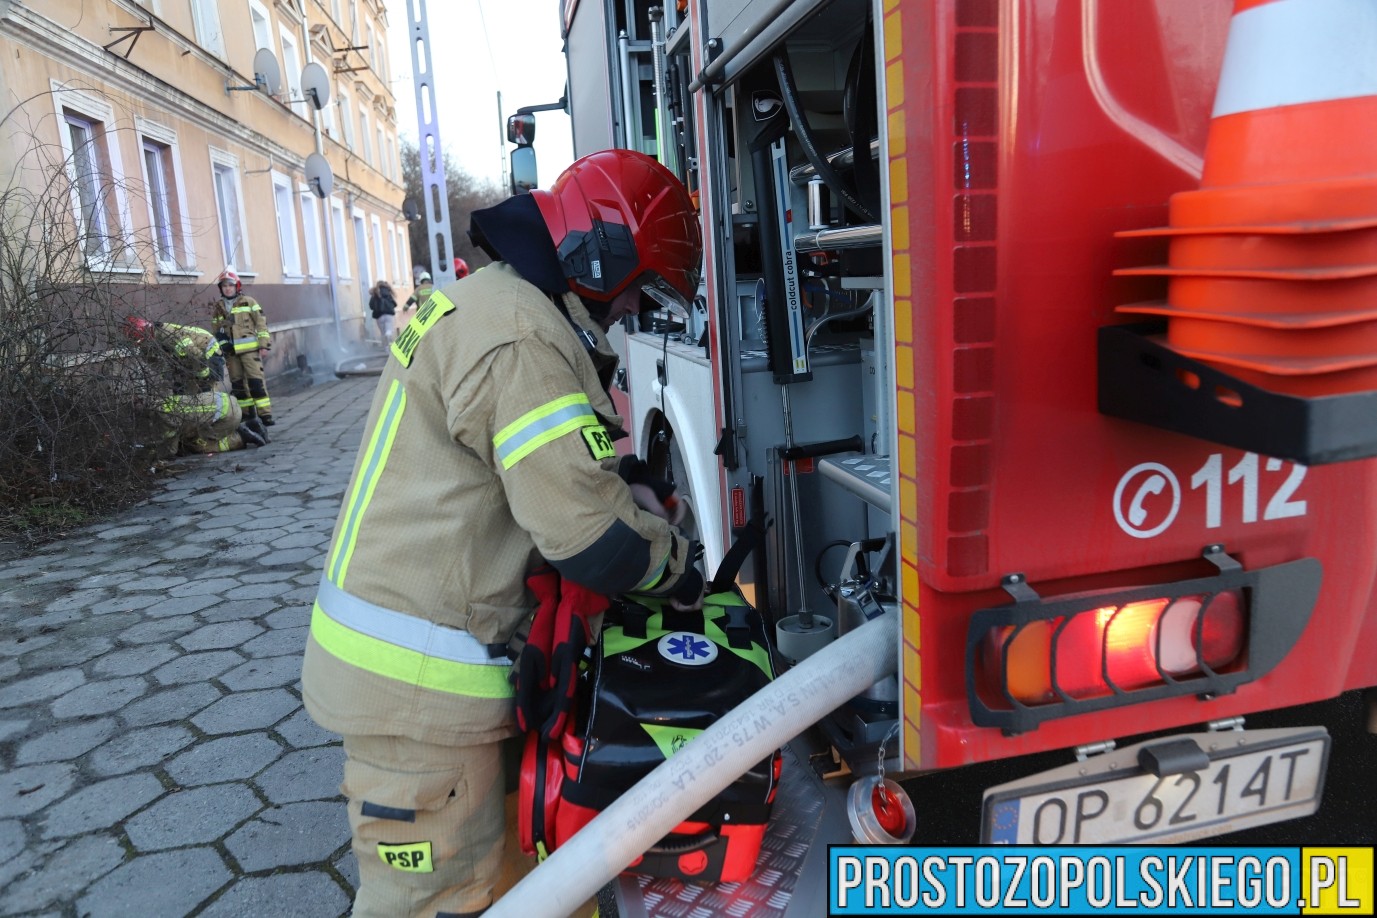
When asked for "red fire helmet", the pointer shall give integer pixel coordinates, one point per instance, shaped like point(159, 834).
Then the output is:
point(618, 217)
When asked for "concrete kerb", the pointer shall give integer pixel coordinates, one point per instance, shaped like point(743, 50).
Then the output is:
point(152, 738)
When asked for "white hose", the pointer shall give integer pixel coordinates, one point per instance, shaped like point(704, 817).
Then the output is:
point(702, 769)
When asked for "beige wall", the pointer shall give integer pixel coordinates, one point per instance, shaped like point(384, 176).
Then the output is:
point(168, 102)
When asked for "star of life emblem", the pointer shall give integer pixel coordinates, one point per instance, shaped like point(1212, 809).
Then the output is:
point(687, 648)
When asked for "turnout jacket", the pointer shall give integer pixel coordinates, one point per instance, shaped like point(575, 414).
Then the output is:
point(241, 320)
point(192, 350)
point(487, 448)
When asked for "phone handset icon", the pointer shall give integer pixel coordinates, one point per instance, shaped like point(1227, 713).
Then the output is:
point(1154, 484)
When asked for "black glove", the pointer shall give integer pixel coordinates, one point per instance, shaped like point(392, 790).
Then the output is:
point(217, 368)
point(634, 470)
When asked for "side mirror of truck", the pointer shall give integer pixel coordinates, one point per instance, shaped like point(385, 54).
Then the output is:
point(521, 129)
point(523, 170)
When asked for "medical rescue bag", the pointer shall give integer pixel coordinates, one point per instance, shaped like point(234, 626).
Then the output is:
point(658, 678)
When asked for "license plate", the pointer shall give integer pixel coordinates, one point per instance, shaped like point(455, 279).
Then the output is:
point(1253, 777)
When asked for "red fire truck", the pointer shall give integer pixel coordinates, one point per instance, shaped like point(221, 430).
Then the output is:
point(976, 340)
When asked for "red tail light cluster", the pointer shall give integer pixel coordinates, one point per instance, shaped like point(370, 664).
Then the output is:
point(1117, 647)
point(1043, 658)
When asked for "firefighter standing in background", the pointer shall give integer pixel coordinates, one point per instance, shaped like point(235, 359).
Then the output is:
point(421, 295)
point(238, 320)
point(488, 448)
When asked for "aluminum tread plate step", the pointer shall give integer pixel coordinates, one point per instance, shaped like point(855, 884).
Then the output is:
point(866, 476)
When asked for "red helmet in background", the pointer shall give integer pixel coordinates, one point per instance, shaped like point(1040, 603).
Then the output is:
point(137, 329)
point(233, 278)
point(461, 268)
point(618, 217)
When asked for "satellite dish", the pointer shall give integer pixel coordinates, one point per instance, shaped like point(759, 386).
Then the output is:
point(315, 85)
point(319, 175)
point(266, 73)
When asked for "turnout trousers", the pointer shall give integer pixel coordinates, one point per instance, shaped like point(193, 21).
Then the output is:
point(428, 824)
point(249, 384)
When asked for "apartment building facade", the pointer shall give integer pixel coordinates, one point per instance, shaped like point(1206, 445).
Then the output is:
point(181, 163)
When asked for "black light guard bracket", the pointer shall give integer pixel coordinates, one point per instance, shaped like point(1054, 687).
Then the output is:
point(1141, 380)
point(1281, 599)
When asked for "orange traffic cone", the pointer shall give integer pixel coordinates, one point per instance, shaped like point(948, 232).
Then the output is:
point(1272, 265)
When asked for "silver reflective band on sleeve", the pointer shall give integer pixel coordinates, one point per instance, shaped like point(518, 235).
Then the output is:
point(1295, 51)
point(403, 630)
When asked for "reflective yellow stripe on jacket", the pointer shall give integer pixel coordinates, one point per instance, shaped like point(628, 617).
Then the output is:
point(406, 648)
point(384, 641)
point(539, 426)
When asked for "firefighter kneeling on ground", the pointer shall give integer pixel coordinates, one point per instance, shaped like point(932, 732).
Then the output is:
point(198, 415)
point(488, 452)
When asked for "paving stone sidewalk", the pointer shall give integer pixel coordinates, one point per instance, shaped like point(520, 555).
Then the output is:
point(155, 759)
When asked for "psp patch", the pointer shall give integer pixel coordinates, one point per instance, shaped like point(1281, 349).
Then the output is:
point(413, 857)
point(598, 442)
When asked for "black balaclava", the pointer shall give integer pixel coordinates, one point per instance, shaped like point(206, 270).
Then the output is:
point(515, 232)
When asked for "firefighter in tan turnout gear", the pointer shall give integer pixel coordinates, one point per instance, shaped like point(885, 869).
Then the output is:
point(197, 412)
point(238, 322)
point(487, 451)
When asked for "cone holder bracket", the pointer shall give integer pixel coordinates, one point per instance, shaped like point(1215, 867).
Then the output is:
point(1143, 380)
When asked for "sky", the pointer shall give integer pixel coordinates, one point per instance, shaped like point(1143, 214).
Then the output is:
point(478, 49)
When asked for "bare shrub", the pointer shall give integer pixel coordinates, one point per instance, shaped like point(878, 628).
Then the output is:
point(77, 404)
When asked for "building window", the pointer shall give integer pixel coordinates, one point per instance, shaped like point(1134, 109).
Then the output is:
point(364, 142)
point(291, 66)
point(395, 239)
point(310, 222)
point(341, 242)
point(334, 10)
point(205, 15)
point(286, 225)
point(361, 246)
point(95, 176)
point(328, 125)
point(384, 161)
point(90, 184)
point(380, 254)
point(372, 47)
point(230, 211)
point(164, 210)
point(262, 25)
point(346, 119)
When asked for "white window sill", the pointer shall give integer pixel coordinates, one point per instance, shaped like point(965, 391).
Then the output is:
point(293, 278)
point(103, 266)
point(177, 272)
point(247, 275)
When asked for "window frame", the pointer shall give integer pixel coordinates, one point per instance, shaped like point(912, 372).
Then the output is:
point(222, 162)
point(288, 229)
point(96, 115)
point(346, 120)
point(365, 141)
point(315, 243)
point(381, 258)
point(339, 226)
point(291, 66)
point(359, 223)
point(255, 7)
point(205, 22)
point(164, 140)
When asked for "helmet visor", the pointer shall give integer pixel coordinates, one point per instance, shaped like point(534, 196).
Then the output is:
point(665, 296)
